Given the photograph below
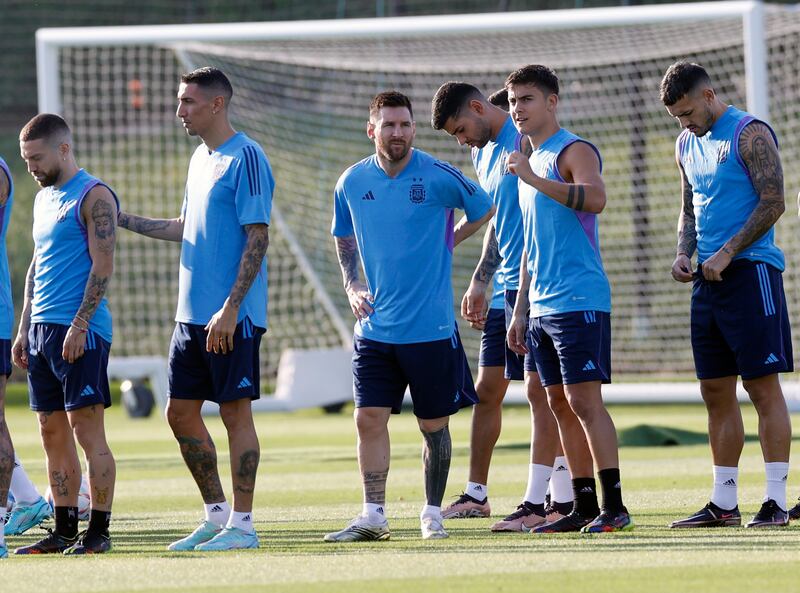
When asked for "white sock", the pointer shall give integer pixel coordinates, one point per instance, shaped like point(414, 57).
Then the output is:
point(21, 486)
point(538, 479)
point(561, 482)
point(477, 491)
point(375, 513)
point(218, 513)
point(243, 521)
point(726, 482)
point(2, 525)
point(431, 511)
point(777, 474)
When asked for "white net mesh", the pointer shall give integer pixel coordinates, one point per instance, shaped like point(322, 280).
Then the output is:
point(306, 102)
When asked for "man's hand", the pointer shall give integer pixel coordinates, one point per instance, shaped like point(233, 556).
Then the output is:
point(516, 335)
point(74, 345)
point(716, 264)
point(19, 351)
point(519, 165)
point(221, 329)
point(360, 300)
point(474, 307)
point(682, 268)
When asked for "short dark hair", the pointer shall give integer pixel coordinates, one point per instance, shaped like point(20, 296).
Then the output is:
point(449, 100)
point(539, 76)
point(212, 79)
point(499, 98)
point(390, 99)
point(681, 79)
point(45, 126)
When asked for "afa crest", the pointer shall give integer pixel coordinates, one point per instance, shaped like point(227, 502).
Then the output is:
point(417, 192)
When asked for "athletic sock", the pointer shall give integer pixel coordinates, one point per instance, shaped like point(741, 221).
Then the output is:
point(99, 522)
point(585, 490)
point(375, 513)
point(726, 482)
point(777, 473)
point(479, 492)
point(21, 486)
point(66, 521)
point(217, 513)
point(561, 481)
point(243, 521)
point(431, 511)
point(538, 479)
point(612, 489)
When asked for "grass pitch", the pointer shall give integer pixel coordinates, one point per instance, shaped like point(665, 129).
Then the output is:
point(309, 485)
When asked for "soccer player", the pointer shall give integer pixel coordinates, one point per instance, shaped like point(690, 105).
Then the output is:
point(64, 334)
point(394, 210)
point(462, 111)
point(561, 192)
point(222, 305)
point(732, 196)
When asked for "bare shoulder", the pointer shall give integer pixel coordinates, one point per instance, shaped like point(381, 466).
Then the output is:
point(579, 159)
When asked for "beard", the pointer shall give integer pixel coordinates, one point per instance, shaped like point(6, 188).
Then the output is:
point(48, 179)
point(394, 150)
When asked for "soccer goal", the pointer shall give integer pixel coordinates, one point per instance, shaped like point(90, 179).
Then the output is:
point(302, 90)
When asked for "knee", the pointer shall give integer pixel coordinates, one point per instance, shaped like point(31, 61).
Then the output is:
point(585, 408)
point(236, 417)
point(764, 394)
point(537, 396)
point(369, 422)
point(177, 418)
point(558, 403)
point(87, 434)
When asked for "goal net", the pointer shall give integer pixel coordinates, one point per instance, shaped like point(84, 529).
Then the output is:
point(303, 91)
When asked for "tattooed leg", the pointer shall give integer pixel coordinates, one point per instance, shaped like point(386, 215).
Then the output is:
point(89, 429)
point(436, 454)
point(373, 452)
point(63, 466)
point(196, 447)
point(6, 447)
point(245, 451)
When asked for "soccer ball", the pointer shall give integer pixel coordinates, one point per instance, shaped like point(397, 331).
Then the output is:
point(84, 500)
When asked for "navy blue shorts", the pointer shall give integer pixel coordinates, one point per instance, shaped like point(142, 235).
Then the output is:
point(572, 347)
point(56, 385)
point(740, 325)
point(494, 346)
point(5, 358)
point(437, 374)
point(199, 375)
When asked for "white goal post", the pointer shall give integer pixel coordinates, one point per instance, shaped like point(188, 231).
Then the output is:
point(420, 51)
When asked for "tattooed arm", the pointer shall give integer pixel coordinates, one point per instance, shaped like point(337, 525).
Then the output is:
point(687, 232)
point(517, 328)
point(19, 352)
point(223, 324)
point(579, 164)
point(760, 155)
point(99, 213)
point(357, 292)
point(166, 229)
point(474, 305)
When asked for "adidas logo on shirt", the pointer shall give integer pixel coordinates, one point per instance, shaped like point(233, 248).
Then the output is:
point(244, 383)
point(589, 366)
point(368, 196)
point(729, 482)
point(87, 391)
point(771, 359)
